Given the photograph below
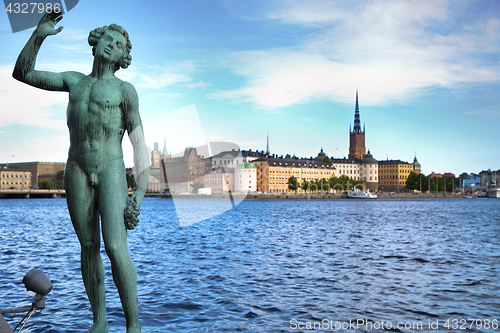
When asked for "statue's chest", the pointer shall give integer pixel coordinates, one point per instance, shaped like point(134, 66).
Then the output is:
point(105, 93)
point(96, 102)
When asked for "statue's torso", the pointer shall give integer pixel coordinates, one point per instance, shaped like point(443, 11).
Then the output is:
point(96, 123)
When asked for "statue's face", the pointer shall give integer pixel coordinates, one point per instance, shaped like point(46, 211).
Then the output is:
point(111, 47)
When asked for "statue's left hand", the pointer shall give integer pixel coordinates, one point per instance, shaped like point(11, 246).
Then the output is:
point(132, 211)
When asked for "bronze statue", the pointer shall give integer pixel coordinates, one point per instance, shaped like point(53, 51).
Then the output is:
point(101, 108)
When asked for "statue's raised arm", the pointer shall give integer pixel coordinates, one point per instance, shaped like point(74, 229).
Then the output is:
point(24, 69)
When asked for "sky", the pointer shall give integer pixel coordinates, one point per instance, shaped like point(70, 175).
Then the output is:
point(427, 74)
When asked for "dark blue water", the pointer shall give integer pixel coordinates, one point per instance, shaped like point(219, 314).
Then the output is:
point(266, 263)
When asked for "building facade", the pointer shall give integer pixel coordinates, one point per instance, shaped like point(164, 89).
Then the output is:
point(393, 175)
point(472, 181)
point(490, 178)
point(245, 178)
point(368, 171)
point(220, 180)
point(39, 170)
point(346, 167)
point(273, 173)
point(155, 171)
point(14, 179)
point(154, 185)
point(230, 159)
point(177, 174)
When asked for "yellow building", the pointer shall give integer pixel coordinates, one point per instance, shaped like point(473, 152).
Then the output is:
point(273, 173)
point(393, 175)
point(39, 170)
point(14, 179)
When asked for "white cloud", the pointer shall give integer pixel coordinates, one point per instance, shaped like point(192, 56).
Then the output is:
point(161, 81)
point(199, 84)
point(168, 95)
point(72, 34)
point(391, 49)
point(158, 76)
point(25, 105)
point(489, 112)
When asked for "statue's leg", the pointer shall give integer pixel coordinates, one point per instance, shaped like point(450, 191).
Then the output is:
point(113, 198)
point(82, 206)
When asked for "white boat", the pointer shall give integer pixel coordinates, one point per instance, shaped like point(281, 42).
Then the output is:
point(493, 192)
point(480, 194)
point(359, 194)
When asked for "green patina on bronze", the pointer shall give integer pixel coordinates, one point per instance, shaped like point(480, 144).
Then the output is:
point(101, 108)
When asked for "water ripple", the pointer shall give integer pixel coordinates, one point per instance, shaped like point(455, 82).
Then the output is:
point(259, 266)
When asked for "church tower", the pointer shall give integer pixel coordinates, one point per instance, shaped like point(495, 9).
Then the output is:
point(357, 148)
point(155, 156)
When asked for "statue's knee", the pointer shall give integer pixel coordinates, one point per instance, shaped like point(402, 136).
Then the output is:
point(89, 246)
point(115, 250)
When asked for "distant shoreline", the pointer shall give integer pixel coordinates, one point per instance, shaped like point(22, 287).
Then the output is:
point(311, 196)
point(61, 193)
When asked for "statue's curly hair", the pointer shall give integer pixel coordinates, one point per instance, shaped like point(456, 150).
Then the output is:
point(96, 34)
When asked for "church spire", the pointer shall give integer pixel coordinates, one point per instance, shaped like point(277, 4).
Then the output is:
point(267, 147)
point(357, 148)
point(357, 121)
point(164, 152)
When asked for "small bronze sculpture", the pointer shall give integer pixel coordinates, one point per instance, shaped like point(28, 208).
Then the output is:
point(101, 108)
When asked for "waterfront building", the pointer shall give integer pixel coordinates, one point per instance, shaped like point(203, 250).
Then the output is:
point(245, 178)
point(14, 179)
point(417, 168)
point(154, 185)
point(39, 170)
point(346, 167)
point(357, 148)
point(230, 159)
point(472, 181)
point(155, 171)
point(393, 175)
point(274, 172)
point(343, 166)
point(155, 156)
point(369, 172)
point(490, 178)
point(219, 180)
point(178, 173)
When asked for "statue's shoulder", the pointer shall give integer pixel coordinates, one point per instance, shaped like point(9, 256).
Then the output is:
point(127, 87)
point(71, 78)
point(129, 94)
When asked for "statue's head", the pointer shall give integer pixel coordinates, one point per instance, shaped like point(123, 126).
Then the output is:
point(96, 34)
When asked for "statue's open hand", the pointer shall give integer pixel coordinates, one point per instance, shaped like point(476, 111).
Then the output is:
point(47, 23)
point(131, 214)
